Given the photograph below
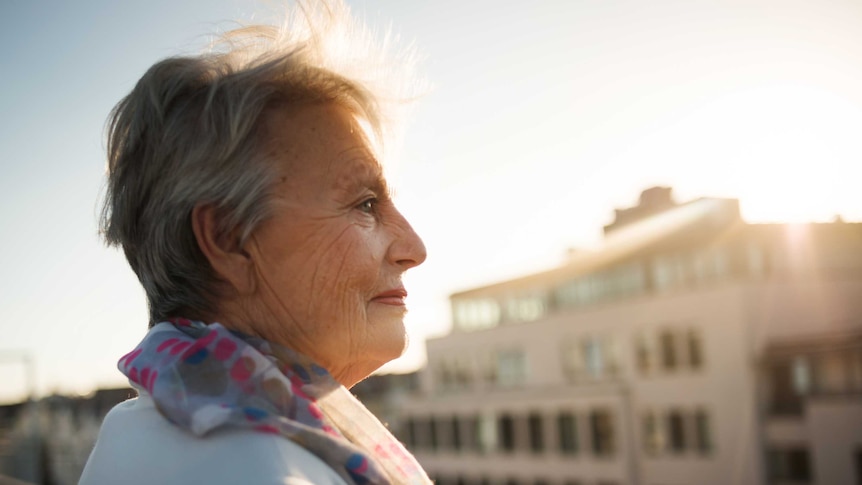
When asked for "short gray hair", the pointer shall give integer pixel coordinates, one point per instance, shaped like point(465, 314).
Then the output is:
point(189, 134)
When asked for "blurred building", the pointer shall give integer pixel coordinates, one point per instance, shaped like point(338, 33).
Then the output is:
point(48, 441)
point(692, 348)
point(385, 394)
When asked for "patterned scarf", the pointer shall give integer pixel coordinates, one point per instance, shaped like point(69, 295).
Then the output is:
point(203, 377)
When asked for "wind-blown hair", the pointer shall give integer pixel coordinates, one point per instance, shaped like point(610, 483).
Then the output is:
point(189, 134)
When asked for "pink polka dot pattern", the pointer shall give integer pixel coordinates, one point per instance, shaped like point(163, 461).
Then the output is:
point(242, 369)
point(224, 349)
point(190, 368)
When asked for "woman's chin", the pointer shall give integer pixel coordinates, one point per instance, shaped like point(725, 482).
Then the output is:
point(391, 345)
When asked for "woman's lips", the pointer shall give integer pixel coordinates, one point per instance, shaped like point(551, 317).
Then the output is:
point(393, 297)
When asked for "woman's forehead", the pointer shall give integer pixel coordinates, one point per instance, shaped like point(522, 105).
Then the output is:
point(293, 132)
point(324, 143)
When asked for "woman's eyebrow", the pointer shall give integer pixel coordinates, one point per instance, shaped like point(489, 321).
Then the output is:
point(362, 171)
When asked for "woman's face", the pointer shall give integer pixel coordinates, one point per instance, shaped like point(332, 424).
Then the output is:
point(329, 263)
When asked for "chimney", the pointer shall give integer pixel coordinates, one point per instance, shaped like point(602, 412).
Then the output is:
point(653, 200)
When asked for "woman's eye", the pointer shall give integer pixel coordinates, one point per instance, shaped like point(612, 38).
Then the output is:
point(367, 205)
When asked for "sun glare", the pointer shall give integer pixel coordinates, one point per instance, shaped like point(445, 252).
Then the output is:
point(789, 153)
point(805, 191)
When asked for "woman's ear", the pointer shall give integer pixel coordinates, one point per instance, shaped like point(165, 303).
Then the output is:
point(227, 258)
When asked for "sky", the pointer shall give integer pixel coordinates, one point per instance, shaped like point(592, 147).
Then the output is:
point(542, 117)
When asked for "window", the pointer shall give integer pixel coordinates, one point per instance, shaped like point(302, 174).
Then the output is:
point(463, 373)
point(410, 433)
point(572, 359)
point(791, 464)
point(602, 432)
point(566, 295)
point(511, 367)
point(443, 432)
point(791, 380)
point(695, 349)
point(610, 352)
point(488, 367)
point(456, 433)
point(676, 431)
point(525, 309)
point(479, 314)
point(630, 279)
point(858, 459)
point(472, 439)
point(668, 350)
point(645, 353)
point(668, 271)
point(831, 373)
point(567, 431)
point(506, 425)
point(586, 290)
point(711, 264)
point(801, 375)
point(454, 374)
point(592, 357)
point(702, 432)
point(433, 433)
point(420, 432)
point(653, 434)
point(783, 395)
point(617, 282)
point(756, 261)
point(444, 376)
point(537, 438)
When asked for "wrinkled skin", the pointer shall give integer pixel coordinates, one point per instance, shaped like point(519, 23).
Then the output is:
point(326, 269)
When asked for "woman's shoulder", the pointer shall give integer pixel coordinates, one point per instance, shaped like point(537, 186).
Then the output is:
point(138, 445)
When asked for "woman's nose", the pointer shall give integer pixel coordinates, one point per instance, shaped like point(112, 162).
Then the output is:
point(407, 250)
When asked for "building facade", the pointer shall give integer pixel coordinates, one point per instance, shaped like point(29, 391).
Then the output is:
point(48, 441)
point(691, 348)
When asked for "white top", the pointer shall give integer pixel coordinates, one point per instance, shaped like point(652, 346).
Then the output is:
point(137, 445)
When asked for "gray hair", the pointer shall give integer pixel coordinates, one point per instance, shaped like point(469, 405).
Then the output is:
point(189, 134)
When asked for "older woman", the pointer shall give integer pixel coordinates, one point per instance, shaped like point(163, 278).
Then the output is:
point(246, 192)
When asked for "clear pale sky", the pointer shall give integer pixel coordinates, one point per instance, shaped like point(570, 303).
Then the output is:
point(543, 117)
